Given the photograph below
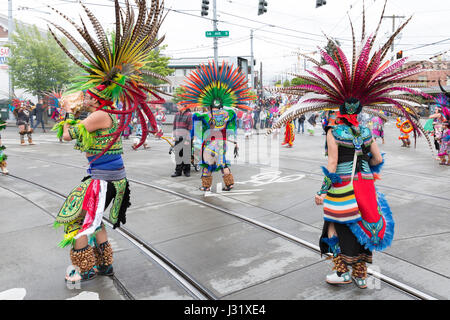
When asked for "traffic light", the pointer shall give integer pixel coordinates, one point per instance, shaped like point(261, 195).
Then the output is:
point(400, 54)
point(205, 7)
point(262, 7)
point(320, 3)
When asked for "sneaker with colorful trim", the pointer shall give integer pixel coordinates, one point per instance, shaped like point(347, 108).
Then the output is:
point(334, 278)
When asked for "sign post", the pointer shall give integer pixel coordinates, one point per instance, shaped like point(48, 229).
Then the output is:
point(217, 34)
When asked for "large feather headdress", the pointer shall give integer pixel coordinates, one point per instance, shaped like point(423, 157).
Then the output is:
point(375, 83)
point(210, 84)
point(116, 65)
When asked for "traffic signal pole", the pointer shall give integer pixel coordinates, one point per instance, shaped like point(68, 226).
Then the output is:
point(252, 68)
point(393, 29)
point(216, 43)
point(10, 32)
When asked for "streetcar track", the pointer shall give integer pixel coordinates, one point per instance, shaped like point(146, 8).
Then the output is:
point(390, 281)
point(185, 280)
point(285, 168)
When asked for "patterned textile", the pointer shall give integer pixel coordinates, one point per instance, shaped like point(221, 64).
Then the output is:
point(102, 138)
point(377, 129)
point(212, 129)
point(340, 204)
point(289, 135)
point(445, 144)
point(83, 209)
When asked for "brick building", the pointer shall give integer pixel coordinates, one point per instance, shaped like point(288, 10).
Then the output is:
point(436, 70)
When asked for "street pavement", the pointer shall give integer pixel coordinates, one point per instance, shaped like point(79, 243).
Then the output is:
point(232, 258)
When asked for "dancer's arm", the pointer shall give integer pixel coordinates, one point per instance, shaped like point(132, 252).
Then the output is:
point(332, 162)
point(376, 155)
point(95, 121)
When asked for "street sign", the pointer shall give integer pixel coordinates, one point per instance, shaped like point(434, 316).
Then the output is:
point(210, 34)
point(4, 54)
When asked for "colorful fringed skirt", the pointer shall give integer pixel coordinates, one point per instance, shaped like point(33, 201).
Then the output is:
point(362, 219)
point(289, 135)
point(82, 211)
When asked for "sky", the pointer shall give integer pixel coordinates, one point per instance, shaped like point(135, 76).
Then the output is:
point(288, 27)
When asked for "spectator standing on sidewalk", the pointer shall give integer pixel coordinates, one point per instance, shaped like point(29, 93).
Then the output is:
point(256, 113)
point(262, 118)
point(182, 126)
point(301, 123)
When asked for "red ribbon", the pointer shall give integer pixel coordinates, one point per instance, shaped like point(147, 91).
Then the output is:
point(352, 118)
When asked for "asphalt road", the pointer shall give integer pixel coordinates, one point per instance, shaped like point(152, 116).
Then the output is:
point(232, 258)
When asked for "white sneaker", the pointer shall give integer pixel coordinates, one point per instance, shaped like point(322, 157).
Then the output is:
point(335, 279)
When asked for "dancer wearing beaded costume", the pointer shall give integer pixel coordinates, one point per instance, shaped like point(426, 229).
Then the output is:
point(114, 74)
point(22, 112)
point(357, 218)
point(220, 89)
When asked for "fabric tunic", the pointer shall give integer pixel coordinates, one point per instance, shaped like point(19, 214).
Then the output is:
point(212, 129)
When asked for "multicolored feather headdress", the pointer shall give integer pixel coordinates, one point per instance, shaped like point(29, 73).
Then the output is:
point(366, 79)
point(442, 101)
point(116, 67)
point(54, 97)
point(212, 86)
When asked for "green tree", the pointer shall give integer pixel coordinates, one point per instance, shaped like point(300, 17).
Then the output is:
point(37, 63)
point(329, 49)
point(278, 83)
point(286, 83)
point(177, 95)
point(298, 81)
point(159, 64)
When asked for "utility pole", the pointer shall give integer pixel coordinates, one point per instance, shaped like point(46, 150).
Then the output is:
point(216, 54)
point(261, 79)
point(252, 71)
point(10, 32)
point(393, 17)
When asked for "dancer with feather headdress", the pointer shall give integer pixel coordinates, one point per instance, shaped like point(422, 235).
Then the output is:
point(22, 112)
point(357, 218)
point(220, 89)
point(114, 73)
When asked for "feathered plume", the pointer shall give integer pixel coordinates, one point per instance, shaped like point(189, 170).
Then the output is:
point(118, 64)
point(208, 83)
point(366, 78)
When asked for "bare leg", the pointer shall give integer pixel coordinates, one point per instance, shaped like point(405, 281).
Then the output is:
point(331, 230)
point(102, 236)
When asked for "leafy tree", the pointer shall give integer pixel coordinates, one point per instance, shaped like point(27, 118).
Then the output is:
point(298, 81)
point(329, 49)
point(286, 83)
point(37, 63)
point(278, 83)
point(177, 95)
point(159, 64)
